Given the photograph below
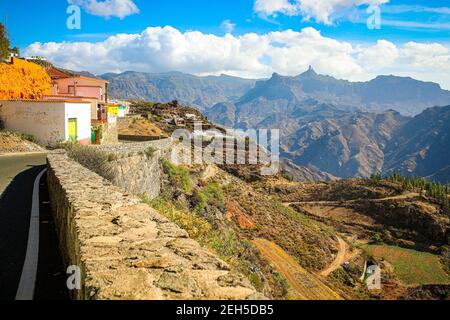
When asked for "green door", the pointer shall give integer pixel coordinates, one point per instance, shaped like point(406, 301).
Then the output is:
point(73, 130)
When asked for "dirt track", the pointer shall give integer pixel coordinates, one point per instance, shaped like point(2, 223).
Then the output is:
point(304, 285)
point(339, 261)
point(337, 203)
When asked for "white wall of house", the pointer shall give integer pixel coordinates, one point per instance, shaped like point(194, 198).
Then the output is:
point(82, 112)
point(122, 112)
point(46, 120)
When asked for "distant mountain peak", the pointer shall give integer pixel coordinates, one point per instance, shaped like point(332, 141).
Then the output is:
point(310, 72)
point(276, 75)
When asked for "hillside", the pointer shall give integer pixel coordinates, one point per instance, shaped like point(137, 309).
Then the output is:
point(11, 142)
point(337, 137)
point(23, 80)
point(201, 92)
point(308, 240)
point(311, 240)
point(410, 97)
point(422, 146)
point(403, 232)
point(321, 137)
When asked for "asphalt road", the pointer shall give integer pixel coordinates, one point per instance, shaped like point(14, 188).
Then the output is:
point(17, 176)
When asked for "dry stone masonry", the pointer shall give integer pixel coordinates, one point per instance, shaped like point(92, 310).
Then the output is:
point(127, 250)
point(135, 167)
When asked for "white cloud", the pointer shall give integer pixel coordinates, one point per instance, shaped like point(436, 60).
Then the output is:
point(320, 10)
point(395, 9)
point(382, 54)
point(228, 26)
point(271, 7)
point(108, 8)
point(427, 55)
point(250, 55)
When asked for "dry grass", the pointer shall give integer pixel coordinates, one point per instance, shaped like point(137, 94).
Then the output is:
point(303, 285)
point(412, 267)
point(138, 127)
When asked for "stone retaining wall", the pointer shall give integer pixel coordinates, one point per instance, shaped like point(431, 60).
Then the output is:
point(135, 167)
point(127, 250)
point(164, 145)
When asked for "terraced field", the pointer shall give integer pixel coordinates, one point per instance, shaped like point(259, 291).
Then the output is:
point(303, 284)
point(412, 267)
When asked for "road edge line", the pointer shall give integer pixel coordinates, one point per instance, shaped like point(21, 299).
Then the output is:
point(27, 282)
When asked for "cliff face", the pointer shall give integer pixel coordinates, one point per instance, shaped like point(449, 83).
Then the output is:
point(23, 80)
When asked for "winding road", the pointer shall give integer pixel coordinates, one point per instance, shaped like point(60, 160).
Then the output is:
point(339, 261)
point(408, 195)
point(30, 263)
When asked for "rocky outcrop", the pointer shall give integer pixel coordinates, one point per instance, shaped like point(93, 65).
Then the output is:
point(305, 174)
point(11, 142)
point(127, 250)
point(416, 219)
point(23, 80)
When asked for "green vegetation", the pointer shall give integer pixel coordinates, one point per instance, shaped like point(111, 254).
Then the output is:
point(212, 194)
point(226, 245)
point(28, 137)
point(85, 155)
point(179, 176)
point(438, 191)
point(15, 50)
point(112, 157)
point(141, 106)
point(281, 283)
point(150, 152)
point(376, 238)
point(412, 267)
point(287, 176)
point(4, 42)
point(197, 227)
point(22, 136)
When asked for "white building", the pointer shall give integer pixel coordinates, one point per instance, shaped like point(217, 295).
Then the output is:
point(50, 122)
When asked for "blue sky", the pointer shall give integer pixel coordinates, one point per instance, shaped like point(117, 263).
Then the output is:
point(45, 20)
point(403, 22)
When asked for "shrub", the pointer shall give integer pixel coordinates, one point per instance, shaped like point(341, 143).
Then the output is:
point(87, 156)
point(212, 195)
point(376, 177)
point(28, 137)
point(287, 176)
point(376, 238)
point(436, 190)
point(226, 245)
point(197, 227)
point(112, 157)
point(150, 152)
point(281, 283)
point(179, 176)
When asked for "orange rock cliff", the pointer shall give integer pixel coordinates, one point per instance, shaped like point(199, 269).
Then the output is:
point(23, 80)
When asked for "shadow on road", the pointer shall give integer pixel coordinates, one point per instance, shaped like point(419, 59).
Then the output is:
point(15, 210)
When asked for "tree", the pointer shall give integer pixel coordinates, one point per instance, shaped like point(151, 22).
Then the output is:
point(4, 42)
point(16, 51)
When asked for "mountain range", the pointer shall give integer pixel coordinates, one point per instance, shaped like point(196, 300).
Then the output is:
point(200, 92)
point(330, 128)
